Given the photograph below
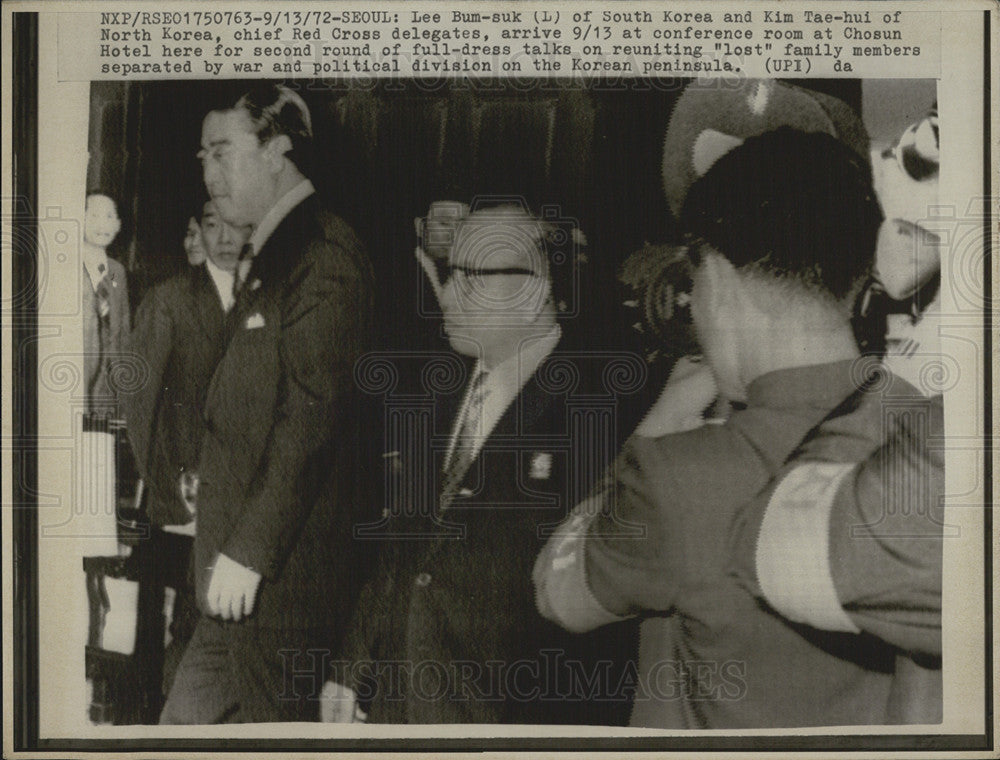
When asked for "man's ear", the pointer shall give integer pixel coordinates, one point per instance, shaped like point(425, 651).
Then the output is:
point(722, 279)
point(276, 149)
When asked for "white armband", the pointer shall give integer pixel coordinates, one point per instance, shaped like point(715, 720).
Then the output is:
point(793, 549)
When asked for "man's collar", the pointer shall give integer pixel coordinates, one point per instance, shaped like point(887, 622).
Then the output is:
point(515, 370)
point(223, 282)
point(823, 384)
point(278, 212)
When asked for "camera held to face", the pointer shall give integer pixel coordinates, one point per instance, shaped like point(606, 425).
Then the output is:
point(658, 278)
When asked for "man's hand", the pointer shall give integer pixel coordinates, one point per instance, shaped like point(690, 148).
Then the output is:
point(690, 389)
point(187, 486)
point(339, 704)
point(232, 589)
point(436, 235)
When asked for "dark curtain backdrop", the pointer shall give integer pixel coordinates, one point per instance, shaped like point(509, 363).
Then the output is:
point(386, 151)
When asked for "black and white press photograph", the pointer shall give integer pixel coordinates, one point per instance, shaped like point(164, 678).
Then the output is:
point(566, 405)
point(495, 412)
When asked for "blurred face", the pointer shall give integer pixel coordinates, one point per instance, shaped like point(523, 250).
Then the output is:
point(192, 243)
point(101, 222)
point(241, 175)
point(493, 287)
point(222, 241)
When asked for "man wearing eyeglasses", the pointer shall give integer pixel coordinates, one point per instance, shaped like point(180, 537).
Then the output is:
point(447, 632)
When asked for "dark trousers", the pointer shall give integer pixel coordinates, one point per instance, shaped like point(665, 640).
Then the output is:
point(182, 625)
point(241, 673)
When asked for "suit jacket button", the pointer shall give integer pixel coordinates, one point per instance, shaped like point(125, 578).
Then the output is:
point(423, 580)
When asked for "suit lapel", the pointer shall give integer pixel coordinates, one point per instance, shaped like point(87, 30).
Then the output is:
point(274, 262)
point(117, 301)
point(89, 297)
point(207, 304)
point(521, 416)
point(270, 269)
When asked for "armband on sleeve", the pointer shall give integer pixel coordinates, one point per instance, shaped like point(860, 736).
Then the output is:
point(793, 548)
point(561, 591)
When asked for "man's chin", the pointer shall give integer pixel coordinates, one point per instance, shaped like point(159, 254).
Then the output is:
point(225, 263)
point(227, 211)
point(464, 344)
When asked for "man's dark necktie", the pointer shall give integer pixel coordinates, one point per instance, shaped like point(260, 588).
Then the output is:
point(463, 451)
point(239, 279)
point(239, 292)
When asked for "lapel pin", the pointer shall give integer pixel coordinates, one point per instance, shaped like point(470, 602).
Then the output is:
point(254, 284)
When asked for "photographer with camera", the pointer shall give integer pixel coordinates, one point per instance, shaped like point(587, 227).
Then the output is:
point(782, 232)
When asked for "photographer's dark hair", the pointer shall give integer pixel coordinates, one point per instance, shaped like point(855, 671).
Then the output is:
point(792, 204)
point(276, 110)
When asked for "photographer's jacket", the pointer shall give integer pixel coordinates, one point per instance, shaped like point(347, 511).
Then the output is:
point(714, 655)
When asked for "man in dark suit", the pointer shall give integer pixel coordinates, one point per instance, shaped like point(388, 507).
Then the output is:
point(278, 467)
point(447, 630)
point(105, 304)
point(179, 335)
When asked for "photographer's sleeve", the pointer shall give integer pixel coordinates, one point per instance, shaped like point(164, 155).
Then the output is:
point(620, 552)
point(856, 547)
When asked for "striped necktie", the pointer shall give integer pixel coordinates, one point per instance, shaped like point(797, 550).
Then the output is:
point(463, 451)
point(103, 303)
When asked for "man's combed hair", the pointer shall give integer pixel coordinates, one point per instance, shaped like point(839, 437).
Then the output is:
point(790, 204)
point(107, 194)
point(276, 110)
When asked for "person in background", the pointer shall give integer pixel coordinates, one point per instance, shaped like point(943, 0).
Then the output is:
point(179, 335)
point(279, 467)
point(106, 317)
point(194, 248)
